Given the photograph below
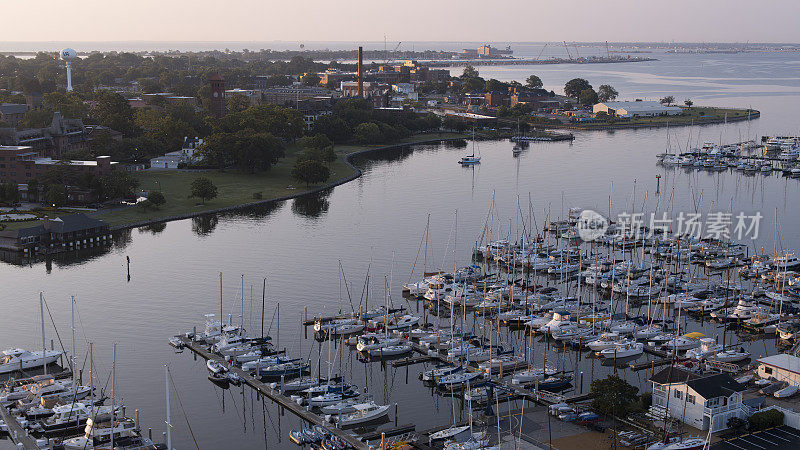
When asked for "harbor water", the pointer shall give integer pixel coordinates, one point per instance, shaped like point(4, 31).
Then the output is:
point(377, 222)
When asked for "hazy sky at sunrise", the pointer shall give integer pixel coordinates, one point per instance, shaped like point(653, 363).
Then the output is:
point(409, 20)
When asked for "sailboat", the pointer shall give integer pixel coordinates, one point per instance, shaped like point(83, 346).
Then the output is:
point(471, 159)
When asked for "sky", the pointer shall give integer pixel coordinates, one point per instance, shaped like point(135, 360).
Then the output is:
point(408, 20)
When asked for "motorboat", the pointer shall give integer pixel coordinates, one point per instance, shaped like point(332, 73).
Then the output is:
point(469, 160)
point(560, 319)
point(390, 350)
point(498, 363)
point(215, 367)
point(623, 350)
point(367, 342)
point(453, 432)
point(331, 398)
point(364, 412)
point(554, 383)
point(434, 374)
point(70, 416)
point(688, 443)
point(648, 331)
point(342, 407)
point(286, 369)
point(681, 343)
point(708, 347)
point(15, 359)
point(730, 355)
point(99, 431)
point(532, 375)
point(607, 340)
point(457, 380)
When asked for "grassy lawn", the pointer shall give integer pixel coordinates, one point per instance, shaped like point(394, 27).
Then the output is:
point(695, 114)
point(233, 188)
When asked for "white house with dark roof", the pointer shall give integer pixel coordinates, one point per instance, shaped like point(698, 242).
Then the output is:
point(702, 400)
point(782, 367)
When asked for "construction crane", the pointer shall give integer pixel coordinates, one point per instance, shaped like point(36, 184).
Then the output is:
point(577, 53)
point(541, 51)
point(567, 49)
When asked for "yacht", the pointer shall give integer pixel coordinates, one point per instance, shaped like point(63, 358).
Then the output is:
point(730, 355)
point(100, 430)
point(364, 412)
point(560, 319)
point(623, 349)
point(708, 347)
point(69, 417)
point(15, 359)
point(606, 340)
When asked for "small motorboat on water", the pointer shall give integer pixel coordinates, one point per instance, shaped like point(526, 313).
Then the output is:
point(364, 412)
point(623, 349)
point(215, 367)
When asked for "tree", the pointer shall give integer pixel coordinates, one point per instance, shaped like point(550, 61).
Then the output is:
point(156, 198)
point(203, 189)
point(310, 171)
point(606, 93)
point(668, 100)
point(575, 86)
point(469, 72)
point(368, 133)
point(612, 395)
point(688, 103)
point(311, 79)
point(588, 97)
point(534, 82)
point(335, 128)
point(765, 419)
point(56, 195)
point(317, 147)
point(496, 85)
point(236, 103)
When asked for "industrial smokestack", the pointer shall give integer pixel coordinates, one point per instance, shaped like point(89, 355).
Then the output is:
point(361, 71)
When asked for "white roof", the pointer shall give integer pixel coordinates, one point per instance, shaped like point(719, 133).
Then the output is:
point(782, 361)
point(640, 106)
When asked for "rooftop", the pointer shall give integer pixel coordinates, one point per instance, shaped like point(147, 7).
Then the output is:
point(782, 361)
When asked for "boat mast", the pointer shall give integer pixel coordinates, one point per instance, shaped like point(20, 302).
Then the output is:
point(44, 344)
point(168, 422)
point(72, 359)
point(113, 394)
point(220, 304)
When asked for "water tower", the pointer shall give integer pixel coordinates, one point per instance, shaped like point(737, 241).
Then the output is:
point(68, 55)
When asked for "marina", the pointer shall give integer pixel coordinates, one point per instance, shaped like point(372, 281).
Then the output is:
point(299, 246)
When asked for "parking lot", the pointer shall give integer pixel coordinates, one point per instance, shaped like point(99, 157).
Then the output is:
point(782, 437)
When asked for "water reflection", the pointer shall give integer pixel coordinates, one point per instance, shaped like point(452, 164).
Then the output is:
point(312, 206)
point(204, 225)
point(154, 228)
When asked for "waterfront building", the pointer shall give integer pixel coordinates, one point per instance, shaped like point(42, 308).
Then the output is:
point(702, 400)
point(781, 367)
point(20, 164)
point(636, 109)
point(63, 233)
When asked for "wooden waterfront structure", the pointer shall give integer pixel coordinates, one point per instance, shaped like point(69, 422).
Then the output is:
point(276, 395)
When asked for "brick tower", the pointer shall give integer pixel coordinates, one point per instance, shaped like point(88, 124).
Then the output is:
point(217, 95)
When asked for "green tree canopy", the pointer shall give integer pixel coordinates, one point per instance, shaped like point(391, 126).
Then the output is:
point(310, 171)
point(469, 72)
point(203, 189)
point(606, 93)
point(588, 97)
point(368, 133)
point(533, 82)
point(668, 100)
point(612, 395)
point(575, 86)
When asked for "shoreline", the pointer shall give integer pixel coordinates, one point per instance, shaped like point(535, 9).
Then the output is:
point(754, 115)
point(347, 159)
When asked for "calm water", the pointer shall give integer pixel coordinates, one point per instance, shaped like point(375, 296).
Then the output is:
point(380, 218)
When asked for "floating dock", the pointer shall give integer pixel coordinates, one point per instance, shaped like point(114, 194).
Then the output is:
point(276, 396)
point(18, 434)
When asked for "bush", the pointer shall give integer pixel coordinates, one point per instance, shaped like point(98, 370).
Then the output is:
point(765, 419)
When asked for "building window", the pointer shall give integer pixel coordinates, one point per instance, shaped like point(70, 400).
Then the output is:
point(768, 370)
point(678, 394)
point(690, 398)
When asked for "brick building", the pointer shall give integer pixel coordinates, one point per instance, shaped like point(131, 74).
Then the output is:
point(61, 136)
point(20, 164)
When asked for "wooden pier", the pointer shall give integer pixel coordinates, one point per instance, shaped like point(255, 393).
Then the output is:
point(541, 397)
point(649, 364)
point(276, 396)
point(18, 434)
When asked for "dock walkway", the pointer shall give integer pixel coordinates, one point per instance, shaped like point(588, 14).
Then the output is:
point(276, 396)
point(17, 433)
